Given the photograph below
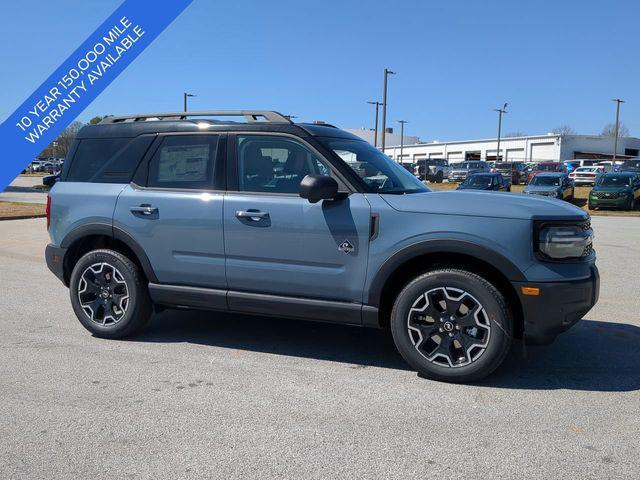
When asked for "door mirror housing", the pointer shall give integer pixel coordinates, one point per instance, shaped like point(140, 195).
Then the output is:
point(318, 187)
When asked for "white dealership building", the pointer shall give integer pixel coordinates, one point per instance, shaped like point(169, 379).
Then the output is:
point(533, 148)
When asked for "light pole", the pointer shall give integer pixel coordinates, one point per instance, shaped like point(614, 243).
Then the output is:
point(500, 112)
point(615, 141)
point(375, 138)
point(387, 72)
point(401, 122)
point(184, 99)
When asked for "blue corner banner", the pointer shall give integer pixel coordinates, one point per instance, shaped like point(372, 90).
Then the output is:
point(80, 79)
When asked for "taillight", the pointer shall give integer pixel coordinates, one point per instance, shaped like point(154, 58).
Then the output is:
point(48, 211)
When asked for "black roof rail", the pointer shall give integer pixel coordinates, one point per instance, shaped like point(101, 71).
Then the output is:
point(251, 116)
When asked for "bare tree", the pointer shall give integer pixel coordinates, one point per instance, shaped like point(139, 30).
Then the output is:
point(564, 130)
point(517, 133)
point(609, 130)
point(60, 146)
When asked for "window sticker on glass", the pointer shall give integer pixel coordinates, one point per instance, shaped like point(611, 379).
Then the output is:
point(183, 163)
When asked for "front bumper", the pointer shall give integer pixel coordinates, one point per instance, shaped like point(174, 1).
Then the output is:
point(558, 307)
point(608, 202)
point(55, 260)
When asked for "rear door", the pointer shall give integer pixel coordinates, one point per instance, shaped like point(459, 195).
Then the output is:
point(291, 247)
point(173, 209)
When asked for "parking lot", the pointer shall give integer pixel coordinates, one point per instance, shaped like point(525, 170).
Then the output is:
point(220, 396)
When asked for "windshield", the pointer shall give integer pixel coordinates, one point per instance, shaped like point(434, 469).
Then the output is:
point(377, 170)
point(615, 181)
point(547, 167)
point(477, 181)
point(546, 181)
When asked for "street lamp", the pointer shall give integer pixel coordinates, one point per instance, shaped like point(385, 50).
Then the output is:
point(401, 122)
point(375, 138)
point(387, 72)
point(184, 99)
point(500, 112)
point(615, 141)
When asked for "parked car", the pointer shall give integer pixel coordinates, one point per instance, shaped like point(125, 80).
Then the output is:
point(537, 168)
point(459, 171)
point(551, 184)
point(586, 175)
point(485, 181)
point(617, 190)
point(515, 171)
point(631, 165)
point(308, 222)
point(571, 165)
point(432, 169)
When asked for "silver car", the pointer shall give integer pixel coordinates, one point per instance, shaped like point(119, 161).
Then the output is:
point(460, 171)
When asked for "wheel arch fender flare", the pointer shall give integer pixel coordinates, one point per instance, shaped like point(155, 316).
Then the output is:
point(115, 233)
point(462, 247)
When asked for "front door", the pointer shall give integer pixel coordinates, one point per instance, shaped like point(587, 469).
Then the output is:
point(175, 215)
point(278, 243)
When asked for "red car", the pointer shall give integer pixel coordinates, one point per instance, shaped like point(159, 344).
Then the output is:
point(545, 167)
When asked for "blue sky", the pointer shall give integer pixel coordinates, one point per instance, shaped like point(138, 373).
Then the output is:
point(554, 62)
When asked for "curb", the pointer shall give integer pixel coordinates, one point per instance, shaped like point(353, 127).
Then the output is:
point(23, 217)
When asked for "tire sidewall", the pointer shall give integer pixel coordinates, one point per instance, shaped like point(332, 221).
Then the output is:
point(129, 273)
point(500, 323)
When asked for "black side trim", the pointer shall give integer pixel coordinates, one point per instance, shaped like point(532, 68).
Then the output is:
point(370, 316)
point(506, 267)
point(293, 307)
point(195, 297)
point(54, 257)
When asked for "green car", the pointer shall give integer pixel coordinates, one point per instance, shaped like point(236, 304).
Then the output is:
point(617, 190)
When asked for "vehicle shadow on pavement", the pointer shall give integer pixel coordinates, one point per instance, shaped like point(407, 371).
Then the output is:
point(322, 341)
point(14, 189)
point(592, 356)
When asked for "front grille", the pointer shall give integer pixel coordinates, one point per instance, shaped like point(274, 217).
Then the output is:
point(608, 195)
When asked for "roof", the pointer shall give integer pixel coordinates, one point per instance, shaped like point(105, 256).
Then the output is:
point(133, 125)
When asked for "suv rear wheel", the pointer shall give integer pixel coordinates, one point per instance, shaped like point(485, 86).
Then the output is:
point(452, 325)
point(109, 295)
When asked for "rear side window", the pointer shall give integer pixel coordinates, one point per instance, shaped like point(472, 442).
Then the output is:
point(107, 160)
point(184, 161)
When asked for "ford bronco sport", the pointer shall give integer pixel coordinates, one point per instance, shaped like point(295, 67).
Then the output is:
point(309, 222)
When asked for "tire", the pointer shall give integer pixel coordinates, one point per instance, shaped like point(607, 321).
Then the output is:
point(486, 327)
point(630, 204)
point(124, 309)
point(439, 177)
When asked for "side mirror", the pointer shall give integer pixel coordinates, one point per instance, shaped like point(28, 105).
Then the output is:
point(50, 180)
point(318, 187)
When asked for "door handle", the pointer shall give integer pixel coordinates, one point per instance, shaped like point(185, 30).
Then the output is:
point(254, 215)
point(144, 209)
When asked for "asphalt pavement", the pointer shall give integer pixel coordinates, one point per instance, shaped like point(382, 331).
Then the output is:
point(206, 395)
point(21, 190)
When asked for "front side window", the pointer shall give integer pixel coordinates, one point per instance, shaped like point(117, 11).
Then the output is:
point(379, 172)
point(183, 161)
point(275, 164)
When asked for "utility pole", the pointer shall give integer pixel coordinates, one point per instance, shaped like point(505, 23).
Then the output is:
point(184, 100)
point(401, 122)
point(375, 138)
point(615, 141)
point(500, 112)
point(387, 72)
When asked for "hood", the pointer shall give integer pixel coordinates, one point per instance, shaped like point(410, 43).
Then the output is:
point(541, 188)
point(483, 204)
point(473, 187)
point(600, 188)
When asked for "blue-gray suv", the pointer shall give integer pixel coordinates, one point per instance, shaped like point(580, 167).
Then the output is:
point(306, 221)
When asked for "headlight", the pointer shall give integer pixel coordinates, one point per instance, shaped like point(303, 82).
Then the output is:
point(565, 241)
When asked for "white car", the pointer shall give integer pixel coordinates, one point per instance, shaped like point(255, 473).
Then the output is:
point(586, 175)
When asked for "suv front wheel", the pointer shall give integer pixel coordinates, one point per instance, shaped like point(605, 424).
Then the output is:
point(452, 325)
point(109, 295)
